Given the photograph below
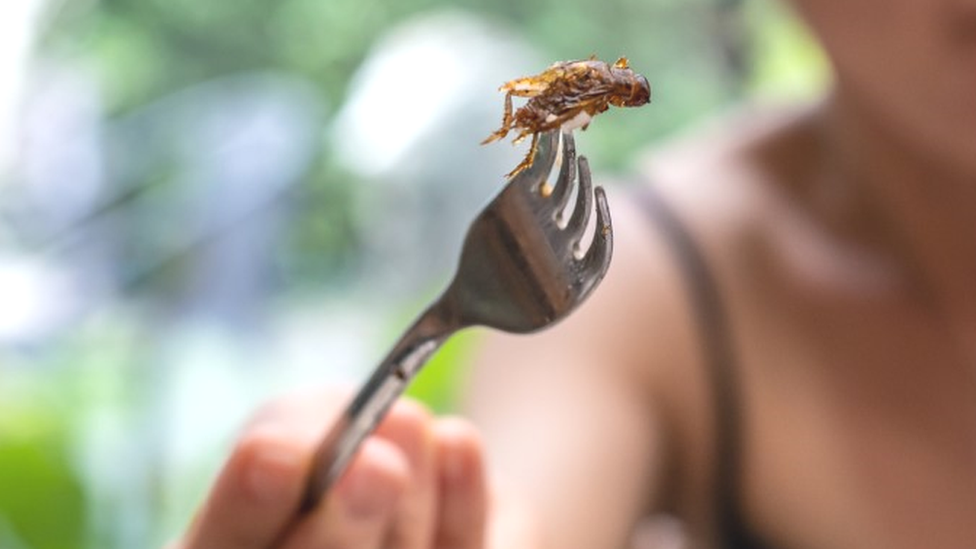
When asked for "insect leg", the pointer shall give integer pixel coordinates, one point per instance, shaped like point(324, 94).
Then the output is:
point(521, 137)
point(527, 161)
point(507, 116)
point(507, 120)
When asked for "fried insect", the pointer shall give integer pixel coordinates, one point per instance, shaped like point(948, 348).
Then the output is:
point(568, 95)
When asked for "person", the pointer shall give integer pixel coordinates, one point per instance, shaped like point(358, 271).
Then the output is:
point(783, 353)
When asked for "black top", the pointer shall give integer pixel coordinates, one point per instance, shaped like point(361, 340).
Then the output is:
point(716, 340)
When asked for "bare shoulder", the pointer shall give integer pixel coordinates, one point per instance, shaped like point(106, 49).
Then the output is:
point(729, 186)
point(726, 177)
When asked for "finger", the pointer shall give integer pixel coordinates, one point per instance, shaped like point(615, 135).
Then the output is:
point(254, 496)
point(513, 522)
point(409, 426)
point(255, 493)
point(359, 511)
point(463, 499)
point(310, 410)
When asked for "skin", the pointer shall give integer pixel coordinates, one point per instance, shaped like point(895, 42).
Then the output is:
point(418, 482)
point(840, 237)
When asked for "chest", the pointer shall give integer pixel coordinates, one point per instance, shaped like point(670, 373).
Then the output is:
point(859, 427)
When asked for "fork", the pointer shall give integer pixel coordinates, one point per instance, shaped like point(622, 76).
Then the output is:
point(521, 269)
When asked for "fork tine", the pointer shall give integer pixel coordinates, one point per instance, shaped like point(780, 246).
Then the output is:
point(597, 258)
point(567, 174)
point(545, 157)
point(584, 203)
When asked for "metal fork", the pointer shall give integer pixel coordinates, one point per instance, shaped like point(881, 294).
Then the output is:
point(521, 269)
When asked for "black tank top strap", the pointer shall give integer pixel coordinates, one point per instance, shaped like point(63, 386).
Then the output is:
point(713, 325)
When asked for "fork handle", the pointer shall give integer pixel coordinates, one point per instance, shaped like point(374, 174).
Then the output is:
point(373, 400)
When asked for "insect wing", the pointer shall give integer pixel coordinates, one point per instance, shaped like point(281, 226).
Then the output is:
point(529, 86)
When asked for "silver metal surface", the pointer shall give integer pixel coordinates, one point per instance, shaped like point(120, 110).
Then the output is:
point(520, 270)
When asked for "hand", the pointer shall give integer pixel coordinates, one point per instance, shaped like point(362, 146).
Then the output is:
point(417, 483)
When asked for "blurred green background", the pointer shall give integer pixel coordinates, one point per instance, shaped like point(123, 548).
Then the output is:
point(206, 204)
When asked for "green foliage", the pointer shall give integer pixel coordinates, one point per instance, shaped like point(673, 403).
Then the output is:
point(42, 503)
point(323, 237)
point(787, 62)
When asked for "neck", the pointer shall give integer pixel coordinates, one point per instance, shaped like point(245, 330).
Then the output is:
point(890, 160)
point(923, 210)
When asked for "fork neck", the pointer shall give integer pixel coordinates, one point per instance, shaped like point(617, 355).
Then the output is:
point(424, 337)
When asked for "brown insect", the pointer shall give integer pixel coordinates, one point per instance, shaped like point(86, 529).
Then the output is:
point(568, 95)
